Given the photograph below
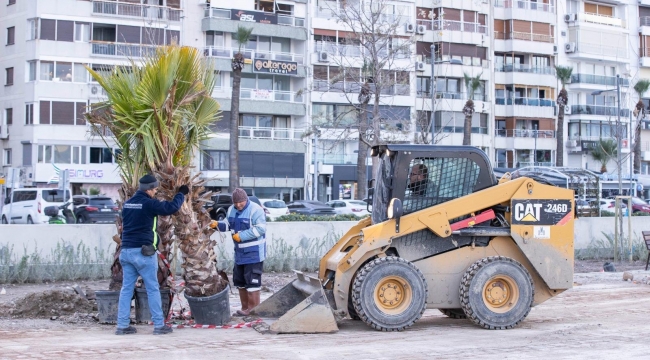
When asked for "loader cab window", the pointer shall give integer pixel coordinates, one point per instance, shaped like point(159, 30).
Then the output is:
point(433, 181)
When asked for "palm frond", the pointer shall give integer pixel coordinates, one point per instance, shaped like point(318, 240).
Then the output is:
point(563, 73)
point(242, 35)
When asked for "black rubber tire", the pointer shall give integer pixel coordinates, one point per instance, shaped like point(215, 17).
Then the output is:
point(471, 292)
point(81, 219)
point(29, 219)
point(220, 216)
point(363, 293)
point(4, 220)
point(454, 313)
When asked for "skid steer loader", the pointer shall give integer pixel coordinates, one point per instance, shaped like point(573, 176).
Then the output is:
point(443, 234)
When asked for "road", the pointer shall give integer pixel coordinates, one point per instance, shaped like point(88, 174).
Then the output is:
point(597, 319)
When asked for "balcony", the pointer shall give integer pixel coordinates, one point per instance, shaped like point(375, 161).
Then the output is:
point(270, 95)
point(274, 18)
point(539, 134)
point(332, 13)
point(338, 159)
point(451, 95)
point(353, 87)
point(270, 133)
point(353, 51)
point(228, 53)
point(111, 49)
point(444, 61)
point(526, 68)
point(524, 5)
point(644, 57)
point(598, 110)
point(136, 11)
point(521, 164)
point(453, 25)
point(515, 35)
point(602, 19)
point(525, 101)
point(263, 23)
point(597, 79)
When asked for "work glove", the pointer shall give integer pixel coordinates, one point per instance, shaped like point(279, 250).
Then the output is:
point(213, 224)
point(236, 237)
point(183, 189)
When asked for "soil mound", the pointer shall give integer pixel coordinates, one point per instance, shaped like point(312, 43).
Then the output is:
point(50, 303)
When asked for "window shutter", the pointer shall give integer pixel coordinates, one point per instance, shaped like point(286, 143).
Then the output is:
point(128, 34)
point(62, 113)
point(44, 112)
point(65, 30)
point(48, 29)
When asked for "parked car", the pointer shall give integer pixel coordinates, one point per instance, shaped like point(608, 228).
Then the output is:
point(310, 207)
point(639, 205)
point(356, 207)
point(92, 209)
point(583, 207)
point(609, 205)
point(26, 206)
point(220, 204)
point(274, 208)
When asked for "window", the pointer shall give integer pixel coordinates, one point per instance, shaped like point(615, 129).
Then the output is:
point(47, 70)
point(100, 155)
point(29, 114)
point(9, 116)
point(31, 70)
point(214, 38)
point(216, 160)
point(11, 2)
point(81, 32)
point(11, 35)
point(80, 73)
point(63, 71)
point(44, 154)
point(6, 158)
point(423, 86)
point(32, 29)
point(9, 76)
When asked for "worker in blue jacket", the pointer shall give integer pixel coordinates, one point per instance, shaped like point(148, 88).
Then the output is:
point(138, 254)
point(247, 223)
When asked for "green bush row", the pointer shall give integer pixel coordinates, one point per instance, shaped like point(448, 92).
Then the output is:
point(605, 213)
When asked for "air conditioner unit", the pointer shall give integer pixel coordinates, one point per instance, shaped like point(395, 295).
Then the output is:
point(323, 56)
point(419, 66)
point(554, 49)
point(4, 131)
point(570, 47)
point(571, 143)
point(94, 90)
point(645, 155)
point(570, 17)
point(420, 29)
point(409, 28)
point(567, 109)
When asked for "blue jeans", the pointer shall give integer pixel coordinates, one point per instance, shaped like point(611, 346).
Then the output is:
point(134, 264)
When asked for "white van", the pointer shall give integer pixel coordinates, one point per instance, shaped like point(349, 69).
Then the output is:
point(26, 206)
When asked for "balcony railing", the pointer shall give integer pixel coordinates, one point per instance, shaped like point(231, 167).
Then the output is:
point(338, 159)
point(453, 25)
point(287, 20)
point(122, 50)
point(644, 52)
point(602, 50)
point(515, 35)
point(526, 68)
point(269, 95)
point(602, 19)
point(345, 50)
point(228, 53)
point(451, 95)
point(525, 5)
point(644, 21)
point(270, 133)
point(597, 79)
point(464, 60)
point(123, 9)
point(354, 87)
point(540, 134)
point(597, 110)
point(525, 101)
point(332, 12)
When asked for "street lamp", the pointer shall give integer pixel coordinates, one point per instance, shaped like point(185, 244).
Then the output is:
point(433, 86)
point(618, 129)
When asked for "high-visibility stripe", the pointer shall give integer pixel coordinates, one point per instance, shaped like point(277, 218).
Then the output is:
point(252, 243)
point(255, 232)
point(155, 233)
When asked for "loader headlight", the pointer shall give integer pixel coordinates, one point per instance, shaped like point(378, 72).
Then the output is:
point(394, 209)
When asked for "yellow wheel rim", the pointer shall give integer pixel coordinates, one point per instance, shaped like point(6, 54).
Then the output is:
point(393, 295)
point(500, 293)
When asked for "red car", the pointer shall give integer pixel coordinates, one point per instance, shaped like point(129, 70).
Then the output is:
point(639, 205)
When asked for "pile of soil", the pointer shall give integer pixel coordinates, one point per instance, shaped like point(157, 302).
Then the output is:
point(50, 303)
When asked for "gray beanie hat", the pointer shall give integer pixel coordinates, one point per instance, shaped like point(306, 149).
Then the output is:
point(239, 195)
point(148, 182)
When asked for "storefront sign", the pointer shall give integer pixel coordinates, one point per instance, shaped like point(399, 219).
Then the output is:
point(253, 16)
point(588, 145)
point(275, 67)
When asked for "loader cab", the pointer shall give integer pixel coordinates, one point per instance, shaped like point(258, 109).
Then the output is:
point(422, 176)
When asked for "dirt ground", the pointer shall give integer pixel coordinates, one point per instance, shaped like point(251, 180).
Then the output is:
point(601, 317)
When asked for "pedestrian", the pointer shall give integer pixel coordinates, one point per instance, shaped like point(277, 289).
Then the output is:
point(138, 255)
point(247, 222)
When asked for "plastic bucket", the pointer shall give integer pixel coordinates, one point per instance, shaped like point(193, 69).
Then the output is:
point(142, 313)
point(211, 310)
point(107, 302)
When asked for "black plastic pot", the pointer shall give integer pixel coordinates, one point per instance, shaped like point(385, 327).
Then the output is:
point(211, 310)
point(142, 313)
point(107, 302)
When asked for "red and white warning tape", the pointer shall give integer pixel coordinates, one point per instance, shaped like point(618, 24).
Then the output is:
point(190, 325)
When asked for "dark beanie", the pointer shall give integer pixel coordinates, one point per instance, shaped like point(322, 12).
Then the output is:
point(239, 195)
point(148, 182)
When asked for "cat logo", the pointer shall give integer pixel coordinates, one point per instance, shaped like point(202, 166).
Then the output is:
point(527, 212)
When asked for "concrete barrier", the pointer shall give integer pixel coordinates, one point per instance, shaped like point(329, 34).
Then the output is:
point(46, 237)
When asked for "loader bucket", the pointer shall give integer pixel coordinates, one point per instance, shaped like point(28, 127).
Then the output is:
point(301, 306)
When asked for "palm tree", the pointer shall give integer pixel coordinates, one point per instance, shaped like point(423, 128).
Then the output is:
point(158, 112)
point(241, 37)
point(603, 152)
point(471, 85)
point(563, 73)
point(640, 88)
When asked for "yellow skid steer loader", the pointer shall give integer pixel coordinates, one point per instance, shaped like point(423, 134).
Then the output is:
point(443, 234)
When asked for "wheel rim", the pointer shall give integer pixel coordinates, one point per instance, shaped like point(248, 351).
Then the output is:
point(500, 293)
point(393, 295)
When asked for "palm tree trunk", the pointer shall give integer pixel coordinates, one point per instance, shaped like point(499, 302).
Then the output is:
point(125, 193)
point(233, 182)
point(637, 147)
point(559, 148)
point(467, 130)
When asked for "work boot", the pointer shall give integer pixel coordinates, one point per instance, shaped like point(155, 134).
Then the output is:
point(126, 331)
point(243, 297)
point(166, 329)
point(253, 300)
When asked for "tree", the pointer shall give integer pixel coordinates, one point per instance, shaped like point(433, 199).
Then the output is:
point(368, 66)
point(604, 151)
point(563, 73)
point(241, 37)
point(158, 112)
point(640, 88)
point(472, 83)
